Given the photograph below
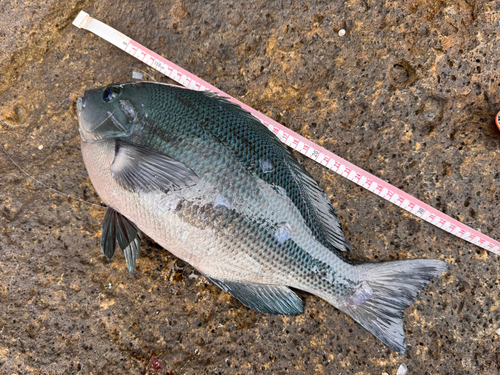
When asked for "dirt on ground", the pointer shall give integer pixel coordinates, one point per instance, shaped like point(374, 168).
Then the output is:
point(409, 93)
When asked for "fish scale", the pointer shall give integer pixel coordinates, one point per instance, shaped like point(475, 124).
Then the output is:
point(225, 122)
point(212, 185)
point(192, 198)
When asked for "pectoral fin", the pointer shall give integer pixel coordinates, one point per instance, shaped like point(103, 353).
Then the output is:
point(138, 168)
point(270, 299)
point(116, 228)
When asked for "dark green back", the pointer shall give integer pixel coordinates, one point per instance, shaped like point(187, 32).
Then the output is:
point(175, 113)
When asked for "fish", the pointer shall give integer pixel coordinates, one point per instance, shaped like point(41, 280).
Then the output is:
point(208, 182)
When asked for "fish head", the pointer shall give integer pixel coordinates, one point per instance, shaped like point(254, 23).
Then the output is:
point(112, 111)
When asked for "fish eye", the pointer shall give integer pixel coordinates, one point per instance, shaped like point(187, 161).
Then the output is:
point(110, 93)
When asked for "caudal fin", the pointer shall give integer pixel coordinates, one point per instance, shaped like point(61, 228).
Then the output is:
point(384, 291)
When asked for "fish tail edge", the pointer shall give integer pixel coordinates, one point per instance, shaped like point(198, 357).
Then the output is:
point(386, 289)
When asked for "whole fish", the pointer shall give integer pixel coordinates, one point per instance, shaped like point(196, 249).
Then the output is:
point(210, 183)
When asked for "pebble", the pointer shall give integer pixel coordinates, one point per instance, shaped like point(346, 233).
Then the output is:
point(341, 32)
point(464, 91)
point(498, 331)
point(402, 369)
point(40, 147)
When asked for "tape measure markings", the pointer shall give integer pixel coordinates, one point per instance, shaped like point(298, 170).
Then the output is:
point(294, 140)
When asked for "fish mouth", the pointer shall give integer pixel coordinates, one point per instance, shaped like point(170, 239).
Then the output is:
point(95, 125)
point(85, 135)
point(79, 108)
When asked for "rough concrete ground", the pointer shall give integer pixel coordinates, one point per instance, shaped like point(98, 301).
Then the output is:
point(409, 94)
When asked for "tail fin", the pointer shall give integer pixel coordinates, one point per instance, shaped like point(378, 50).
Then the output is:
point(384, 291)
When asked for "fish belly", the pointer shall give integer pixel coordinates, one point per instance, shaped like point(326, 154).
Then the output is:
point(230, 226)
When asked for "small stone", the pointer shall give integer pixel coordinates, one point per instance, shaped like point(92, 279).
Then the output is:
point(464, 91)
point(402, 369)
point(429, 116)
point(385, 373)
point(498, 331)
point(341, 32)
point(40, 147)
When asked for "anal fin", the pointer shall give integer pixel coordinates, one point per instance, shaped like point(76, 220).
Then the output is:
point(270, 299)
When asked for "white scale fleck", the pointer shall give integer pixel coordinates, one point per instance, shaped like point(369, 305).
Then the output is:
point(266, 166)
point(363, 292)
point(283, 232)
point(137, 75)
point(222, 201)
point(169, 203)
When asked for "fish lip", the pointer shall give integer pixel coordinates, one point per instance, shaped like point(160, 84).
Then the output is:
point(79, 107)
point(79, 110)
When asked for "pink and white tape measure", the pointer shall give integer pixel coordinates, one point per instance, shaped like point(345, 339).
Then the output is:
point(295, 141)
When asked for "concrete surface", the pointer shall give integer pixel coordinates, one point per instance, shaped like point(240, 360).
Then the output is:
point(408, 93)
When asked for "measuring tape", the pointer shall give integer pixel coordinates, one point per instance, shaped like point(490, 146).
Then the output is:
point(294, 140)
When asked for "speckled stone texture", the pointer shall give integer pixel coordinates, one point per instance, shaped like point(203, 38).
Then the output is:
point(409, 93)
